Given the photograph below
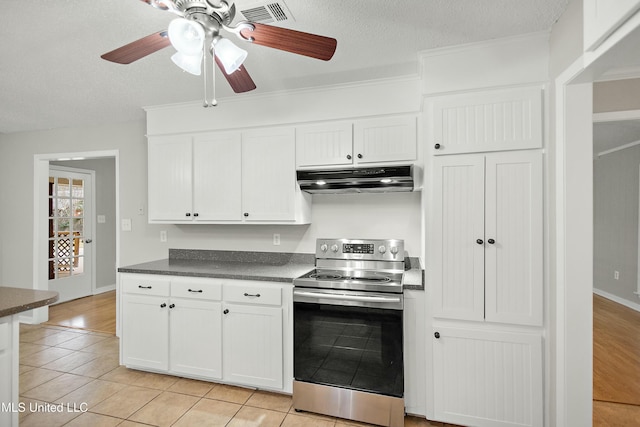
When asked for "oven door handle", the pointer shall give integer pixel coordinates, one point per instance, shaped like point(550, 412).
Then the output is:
point(343, 297)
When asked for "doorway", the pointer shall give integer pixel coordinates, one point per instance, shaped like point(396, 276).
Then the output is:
point(70, 232)
point(106, 213)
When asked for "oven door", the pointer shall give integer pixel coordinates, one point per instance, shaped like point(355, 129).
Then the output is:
point(347, 339)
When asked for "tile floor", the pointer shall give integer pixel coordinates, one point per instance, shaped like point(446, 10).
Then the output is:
point(71, 377)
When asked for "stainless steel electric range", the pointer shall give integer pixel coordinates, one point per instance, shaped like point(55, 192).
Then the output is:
point(348, 358)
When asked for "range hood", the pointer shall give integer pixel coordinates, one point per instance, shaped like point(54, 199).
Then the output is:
point(382, 179)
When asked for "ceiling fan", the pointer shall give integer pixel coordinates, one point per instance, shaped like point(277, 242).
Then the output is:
point(198, 29)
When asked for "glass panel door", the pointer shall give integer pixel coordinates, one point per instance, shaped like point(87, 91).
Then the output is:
point(68, 243)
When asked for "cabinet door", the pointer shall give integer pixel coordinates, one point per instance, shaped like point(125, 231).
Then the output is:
point(196, 338)
point(324, 145)
point(513, 243)
point(268, 175)
point(145, 334)
point(217, 177)
point(509, 119)
point(487, 378)
point(170, 178)
point(456, 227)
point(252, 348)
point(388, 139)
point(603, 17)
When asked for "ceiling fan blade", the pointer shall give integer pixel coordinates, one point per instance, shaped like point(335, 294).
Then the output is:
point(312, 45)
point(240, 80)
point(138, 49)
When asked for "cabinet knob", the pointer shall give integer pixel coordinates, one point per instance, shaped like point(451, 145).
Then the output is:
point(172, 306)
point(163, 305)
point(491, 241)
point(437, 335)
point(348, 156)
point(246, 214)
point(195, 214)
point(188, 214)
point(479, 241)
point(226, 311)
point(359, 156)
point(437, 146)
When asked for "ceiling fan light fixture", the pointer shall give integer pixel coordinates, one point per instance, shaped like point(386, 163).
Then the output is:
point(189, 63)
point(186, 36)
point(228, 53)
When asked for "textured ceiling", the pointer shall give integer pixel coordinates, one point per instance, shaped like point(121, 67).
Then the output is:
point(52, 76)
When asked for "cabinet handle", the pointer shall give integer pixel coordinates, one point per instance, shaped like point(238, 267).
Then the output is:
point(172, 306)
point(226, 311)
point(359, 156)
point(246, 214)
point(163, 305)
point(251, 295)
point(144, 287)
point(195, 214)
point(479, 241)
point(437, 335)
point(194, 291)
point(437, 146)
point(491, 241)
point(188, 214)
point(348, 156)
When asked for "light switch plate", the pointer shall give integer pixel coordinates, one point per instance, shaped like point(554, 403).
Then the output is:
point(101, 219)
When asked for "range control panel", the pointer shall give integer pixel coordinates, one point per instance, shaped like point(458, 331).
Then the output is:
point(379, 249)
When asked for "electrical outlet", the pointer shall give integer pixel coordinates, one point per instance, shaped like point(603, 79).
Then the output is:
point(126, 224)
point(276, 239)
point(163, 235)
point(616, 275)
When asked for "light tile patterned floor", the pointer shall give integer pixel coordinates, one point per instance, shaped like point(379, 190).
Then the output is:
point(77, 371)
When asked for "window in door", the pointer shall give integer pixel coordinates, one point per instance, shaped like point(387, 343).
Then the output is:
point(66, 226)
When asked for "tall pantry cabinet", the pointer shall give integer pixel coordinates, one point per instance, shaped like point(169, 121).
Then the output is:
point(485, 236)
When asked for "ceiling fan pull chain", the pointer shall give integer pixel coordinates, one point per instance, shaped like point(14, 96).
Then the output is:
point(205, 104)
point(213, 102)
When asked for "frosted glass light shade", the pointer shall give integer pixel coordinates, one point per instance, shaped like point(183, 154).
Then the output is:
point(186, 36)
point(189, 63)
point(229, 54)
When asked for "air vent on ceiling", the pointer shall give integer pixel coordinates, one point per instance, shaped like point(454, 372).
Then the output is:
point(266, 12)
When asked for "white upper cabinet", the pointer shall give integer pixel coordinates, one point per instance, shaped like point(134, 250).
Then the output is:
point(381, 140)
point(603, 17)
point(497, 120)
point(226, 177)
point(217, 176)
point(486, 238)
point(170, 178)
point(269, 189)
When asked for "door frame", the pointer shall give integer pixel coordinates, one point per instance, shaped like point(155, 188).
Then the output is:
point(40, 223)
point(93, 214)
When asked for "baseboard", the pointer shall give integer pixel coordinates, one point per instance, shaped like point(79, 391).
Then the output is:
point(103, 289)
point(630, 304)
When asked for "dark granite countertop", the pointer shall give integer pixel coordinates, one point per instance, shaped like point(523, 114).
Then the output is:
point(17, 300)
point(239, 265)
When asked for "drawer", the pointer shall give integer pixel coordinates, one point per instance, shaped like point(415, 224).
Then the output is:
point(145, 285)
point(202, 289)
point(252, 293)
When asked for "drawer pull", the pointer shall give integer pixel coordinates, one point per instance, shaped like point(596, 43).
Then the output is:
point(195, 291)
point(172, 306)
point(144, 287)
point(163, 305)
point(251, 295)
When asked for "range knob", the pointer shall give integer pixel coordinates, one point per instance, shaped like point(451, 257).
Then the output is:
point(394, 250)
point(334, 248)
point(382, 249)
point(324, 247)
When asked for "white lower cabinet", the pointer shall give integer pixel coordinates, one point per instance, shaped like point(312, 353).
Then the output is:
point(487, 377)
point(184, 326)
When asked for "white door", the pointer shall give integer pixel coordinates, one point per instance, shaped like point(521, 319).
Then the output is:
point(70, 233)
